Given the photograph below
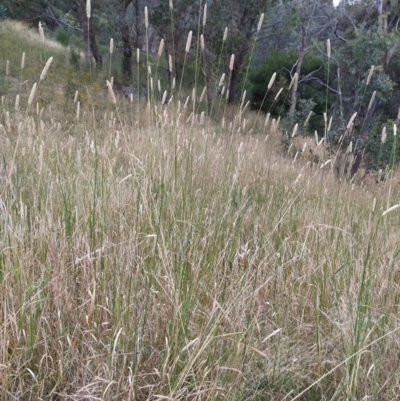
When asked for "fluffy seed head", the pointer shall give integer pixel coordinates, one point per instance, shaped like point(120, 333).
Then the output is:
point(111, 46)
point(328, 48)
point(394, 129)
point(88, 9)
point(78, 109)
point(186, 102)
point(232, 61)
point(390, 209)
point(225, 34)
point(171, 5)
point(164, 97)
point(138, 55)
point(17, 103)
point(170, 63)
point(188, 42)
point(111, 92)
point(372, 100)
point(294, 81)
point(271, 81)
point(330, 124)
point(267, 119)
point(23, 61)
point(203, 93)
point(278, 94)
point(383, 138)
point(41, 32)
point(260, 22)
point(7, 67)
point(308, 118)
point(160, 48)
point(351, 120)
point(32, 94)
point(46, 68)
point(146, 17)
point(295, 130)
point(202, 42)
point(221, 81)
point(205, 15)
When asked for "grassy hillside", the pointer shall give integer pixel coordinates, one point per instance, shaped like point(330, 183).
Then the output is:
point(146, 254)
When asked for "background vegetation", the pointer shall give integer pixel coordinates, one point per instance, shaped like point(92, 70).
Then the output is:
point(167, 245)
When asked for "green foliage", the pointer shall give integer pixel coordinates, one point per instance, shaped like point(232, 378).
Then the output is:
point(62, 37)
point(310, 95)
point(380, 155)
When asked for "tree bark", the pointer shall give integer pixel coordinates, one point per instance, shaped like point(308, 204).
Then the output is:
point(126, 41)
point(89, 35)
point(237, 65)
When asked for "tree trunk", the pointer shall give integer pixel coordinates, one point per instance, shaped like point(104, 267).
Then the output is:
point(362, 139)
point(126, 41)
point(137, 25)
point(89, 35)
point(209, 76)
point(95, 50)
point(235, 77)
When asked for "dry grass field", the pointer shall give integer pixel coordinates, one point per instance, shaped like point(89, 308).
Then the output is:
point(146, 254)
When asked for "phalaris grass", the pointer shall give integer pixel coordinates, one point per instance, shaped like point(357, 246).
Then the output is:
point(154, 258)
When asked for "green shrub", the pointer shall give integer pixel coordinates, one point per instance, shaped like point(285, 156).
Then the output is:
point(62, 37)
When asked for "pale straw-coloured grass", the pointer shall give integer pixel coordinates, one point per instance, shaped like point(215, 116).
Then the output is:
point(159, 255)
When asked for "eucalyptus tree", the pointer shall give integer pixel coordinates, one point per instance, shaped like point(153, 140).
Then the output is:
point(370, 39)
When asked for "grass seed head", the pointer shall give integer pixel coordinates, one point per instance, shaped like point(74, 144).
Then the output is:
point(350, 123)
point(203, 93)
point(188, 42)
point(111, 92)
point(88, 9)
point(32, 94)
point(295, 130)
point(278, 94)
point(383, 137)
point(232, 62)
point(164, 97)
point(294, 82)
point(328, 48)
point(205, 15)
point(371, 71)
point(225, 34)
point(23, 61)
point(111, 46)
point(271, 81)
point(46, 68)
point(160, 48)
point(372, 100)
point(260, 22)
point(308, 118)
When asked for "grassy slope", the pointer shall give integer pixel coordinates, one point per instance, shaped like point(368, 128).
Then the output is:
point(144, 257)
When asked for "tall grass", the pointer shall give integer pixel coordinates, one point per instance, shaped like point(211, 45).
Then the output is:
point(159, 258)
